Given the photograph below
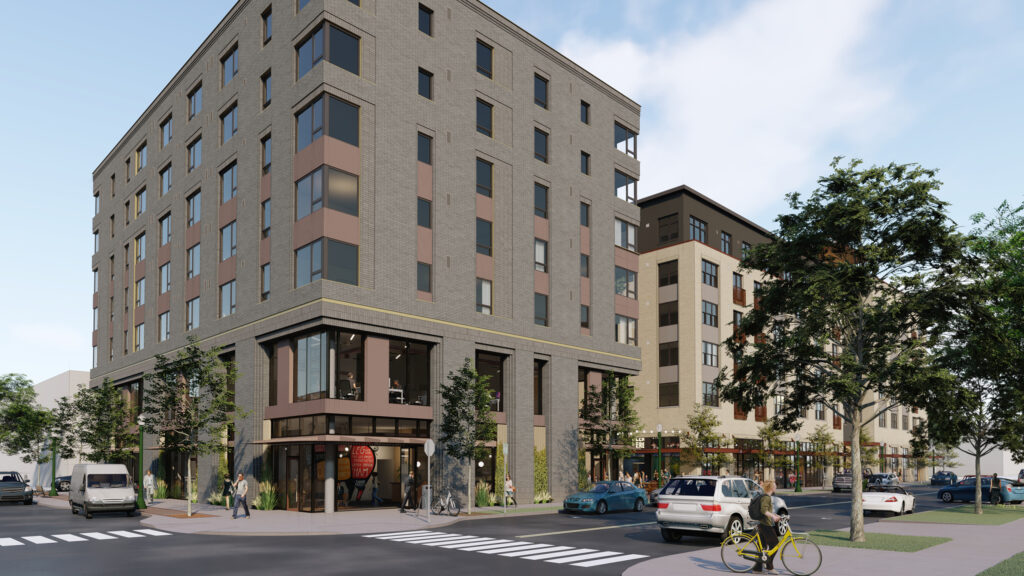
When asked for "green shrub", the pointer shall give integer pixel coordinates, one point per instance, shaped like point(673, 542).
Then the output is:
point(267, 498)
point(482, 491)
point(492, 499)
point(540, 470)
point(217, 499)
point(160, 490)
point(541, 497)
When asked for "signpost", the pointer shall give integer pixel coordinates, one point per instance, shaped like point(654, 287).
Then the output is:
point(428, 449)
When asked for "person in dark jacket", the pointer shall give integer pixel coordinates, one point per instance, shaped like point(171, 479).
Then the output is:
point(228, 491)
point(993, 495)
point(409, 502)
point(766, 528)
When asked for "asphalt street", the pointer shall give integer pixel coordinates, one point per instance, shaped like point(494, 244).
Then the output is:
point(40, 540)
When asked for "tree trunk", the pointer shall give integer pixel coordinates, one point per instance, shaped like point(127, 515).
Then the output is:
point(977, 480)
point(857, 484)
point(188, 486)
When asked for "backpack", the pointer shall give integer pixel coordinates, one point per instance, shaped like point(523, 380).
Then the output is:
point(754, 508)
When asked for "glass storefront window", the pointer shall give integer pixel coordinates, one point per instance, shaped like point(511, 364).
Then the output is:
point(349, 379)
point(409, 372)
point(311, 361)
point(490, 365)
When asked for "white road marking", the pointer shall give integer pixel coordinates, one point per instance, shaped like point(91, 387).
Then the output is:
point(585, 530)
point(69, 537)
point(39, 540)
point(424, 538)
point(409, 535)
point(560, 554)
point(532, 552)
point(459, 540)
point(612, 560)
point(10, 542)
point(524, 550)
point(581, 557)
point(450, 539)
point(99, 536)
point(126, 534)
point(472, 543)
point(510, 548)
point(495, 544)
point(151, 532)
point(396, 534)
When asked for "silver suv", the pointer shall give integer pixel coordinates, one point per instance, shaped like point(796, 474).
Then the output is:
point(709, 505)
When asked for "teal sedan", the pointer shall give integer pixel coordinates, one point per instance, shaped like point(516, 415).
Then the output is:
point(605, 496)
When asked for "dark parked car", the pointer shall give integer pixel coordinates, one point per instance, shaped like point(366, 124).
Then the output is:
point(943, 478)
point(63, 483)
point(14, 488)
point(1010, 491)
point(605, 496)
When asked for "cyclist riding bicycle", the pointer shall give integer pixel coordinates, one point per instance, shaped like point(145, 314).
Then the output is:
point(766, 527)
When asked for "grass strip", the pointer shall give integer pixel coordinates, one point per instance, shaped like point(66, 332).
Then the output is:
point(1012, 566)
point(876, 541)
point(993, 515)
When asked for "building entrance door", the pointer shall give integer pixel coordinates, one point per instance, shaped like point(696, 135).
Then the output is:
point(292, 484)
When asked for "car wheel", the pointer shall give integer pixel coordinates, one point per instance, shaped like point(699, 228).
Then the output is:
point(129, 513)
point(638, 506)
point(88, 515)
point(733, 526)
point(947, 497)
point(669, 535)
point(28, 501)
point(73, 509)
point(903, 509)
point(602, 507)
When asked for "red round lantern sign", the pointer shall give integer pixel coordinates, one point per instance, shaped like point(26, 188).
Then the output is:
point(363, 461)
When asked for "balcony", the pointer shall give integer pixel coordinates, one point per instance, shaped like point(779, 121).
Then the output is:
point(739, 296)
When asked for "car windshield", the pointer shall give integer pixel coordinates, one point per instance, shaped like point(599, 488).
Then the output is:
point(600, 488)
point(108, 481)
point(690, 487)
point(10, 477)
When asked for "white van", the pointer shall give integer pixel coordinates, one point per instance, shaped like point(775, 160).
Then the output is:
point(101, 488)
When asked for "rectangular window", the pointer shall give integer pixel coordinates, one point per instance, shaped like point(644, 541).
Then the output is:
point(625, 330)
point(819, 412)
point(625, 140)
point(227, 299)
point(165, 326)
point(140, 336)
point(266, 82)
point(710, 394)
point(343, 50)
point(698, 230)
point(140, 158)
point(584, 162)
point(709, 273)
point(193, 261)
point(625, 235)
point(342, 192)
point(265, 144)
point(726, 239)
point(228, 241)
point(195, 154)
point(140, 247)
point(95, 242)
point(625, 187)
point(668, 313)
point(483, 296)
point(165, 180)
point(625, 282)
point(268, 25)
point(538, 387)
point(585, 265)
point(540, 145)
point(668, 354)
point(310, 52)
point(668, 394)
point(540, 310)
point(192, 314)
point(540, 200)
point(265, 218)
point(426, 84)
point(229, 123)
point(483, 237)
point(165, 229)
point(584, 214)
point(165, 278)
point(140, 202)
point(166, 131)
point(195, 208)
point(584, 112)
point(309, 263)
point(744, 249)
point(737, 320)
point(709, 313)
point(423, 148)
point(668, 273)
point(423, 277)
point(229, 66)
point(342, 122)
point(540, 255)
point(426, 20)
point(710, 354)
point(484, 177)
point(309, 194)
point(540, 91)
point(229, 182)
point(265, 281)
point(668, 228)
point(312, 361)
point(780, 403)
point(584, 316)
point(195, 101)
point(484, 118)
point(339, 260)
point(140, 292)
point(484, 59)
point(423, 209)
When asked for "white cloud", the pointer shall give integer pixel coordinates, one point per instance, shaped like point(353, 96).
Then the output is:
point(746, 110)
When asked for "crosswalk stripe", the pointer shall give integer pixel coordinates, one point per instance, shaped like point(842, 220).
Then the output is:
point(489, 545)
point(613, 560)
point(453, 541)
point(10, 542)
point(39, 540)
point(394, 534)
point(407, 535)
point(126, 534)
point(69, 537)
point(518, 553)
point(151, 532)
point(525, 550)
point(431, 538)
point(449, 540)
point(98, 536)
point(560, 554)
point(509, 548)
point(581, 557)
point(473, 543)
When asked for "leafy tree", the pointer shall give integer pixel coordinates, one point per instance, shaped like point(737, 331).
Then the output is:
point(771, 444)
point(700, 435)
point(467, 423)
point(864, 264)
point(25, 426)
point(188, 403)
point(607, 419)
point(102, 419)
point(823, 445)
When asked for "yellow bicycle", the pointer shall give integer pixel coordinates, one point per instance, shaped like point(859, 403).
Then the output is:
point(800, 555)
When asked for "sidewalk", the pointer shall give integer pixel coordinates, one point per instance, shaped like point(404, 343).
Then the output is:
point(972, 550)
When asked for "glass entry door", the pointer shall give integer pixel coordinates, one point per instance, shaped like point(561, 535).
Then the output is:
point(292, 483)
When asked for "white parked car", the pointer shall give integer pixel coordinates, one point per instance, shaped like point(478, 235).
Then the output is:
point(894, 499)
point(709, 505)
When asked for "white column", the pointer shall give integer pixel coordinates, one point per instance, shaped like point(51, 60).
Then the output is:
point(330, 477)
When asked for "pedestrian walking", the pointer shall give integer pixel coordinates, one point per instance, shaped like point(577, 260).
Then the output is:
point(510, 491)
point(227, 491)
point(375, 500)
point(993, 492)
point(409, 500)
point(241, 494)
point(147, 486)
point(766, 528)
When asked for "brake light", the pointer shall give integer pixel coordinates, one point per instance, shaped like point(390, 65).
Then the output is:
point(891, 499)
point(711, 507)
point(662, 505)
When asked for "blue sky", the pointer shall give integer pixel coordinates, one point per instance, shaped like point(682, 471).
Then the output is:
point(743, 100)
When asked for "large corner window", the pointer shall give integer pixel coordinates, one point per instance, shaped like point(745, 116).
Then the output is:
point(625, 140)
point(327, 259)
point(491, 365)
point(625, 235)
point(409, 372)
point(340, 119)
point(342, 192)
point(625, 187)
point(341, 49)
point(625, 330)
point(349, 379)
point(311, 362)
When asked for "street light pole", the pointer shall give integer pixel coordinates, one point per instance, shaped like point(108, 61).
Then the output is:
point(140, 498)
point(53, 465)
point(658, 471)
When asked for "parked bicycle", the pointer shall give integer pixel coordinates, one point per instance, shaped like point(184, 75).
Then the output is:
point(799, 554)
point(444, 504)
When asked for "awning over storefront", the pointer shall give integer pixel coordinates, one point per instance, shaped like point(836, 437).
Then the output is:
point(344, 439)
